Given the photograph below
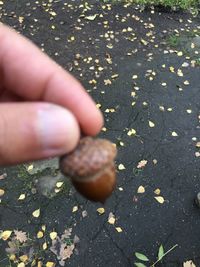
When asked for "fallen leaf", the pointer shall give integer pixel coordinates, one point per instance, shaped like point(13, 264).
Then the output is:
point(155, 161)
point(197, 154)
point(91, 17)
point(22, 197)
point(151, 124)
point(2, 192)
point(101, 211)
point(20, 236)
point(40, 234)
point(59, 184)
point(174, 134)
point(30, 167)
point(43, 228)
point(186, 82)
point(142, 164)
point(50, 264)
point(118, 229)
point(5, 234)
point(67, 252)
point(84, 213)
point(189, 263)
point(24, 258)
point(53, 235)
point(36, 213)
point(141, 189)
point(198, 144)
point(44, 246)
point(131, 132)
point(160, 199)
point(21, 19)
point(157, 191)
point(121, 167)
point(21, 264)
point(111, 218)
point(12, 257)
point(75, 208)
point(3, 176)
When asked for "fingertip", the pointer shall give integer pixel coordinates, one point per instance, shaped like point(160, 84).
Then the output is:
point(93, 124)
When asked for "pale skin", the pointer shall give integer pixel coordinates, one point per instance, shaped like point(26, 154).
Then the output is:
point(43, 109)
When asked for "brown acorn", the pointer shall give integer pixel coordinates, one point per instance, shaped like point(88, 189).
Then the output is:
point(91, 168)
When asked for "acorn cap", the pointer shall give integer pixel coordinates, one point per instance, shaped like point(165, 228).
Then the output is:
point(89, 157)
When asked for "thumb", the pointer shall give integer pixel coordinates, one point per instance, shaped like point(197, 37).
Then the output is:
point(31, 131)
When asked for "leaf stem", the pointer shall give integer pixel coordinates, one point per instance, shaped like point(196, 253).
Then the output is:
point(167, 252)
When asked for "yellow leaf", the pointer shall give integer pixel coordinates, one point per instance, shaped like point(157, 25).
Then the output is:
point(50, 264)
point(198, 144)
point(157, 191)
point(186, 82)
point(30, 167)
point(40, 234)
point(59, 184)
point(36, 213)
point(121, 167)
point(151, 124)
point(141, 189)
point(131, 132)
point(53, 235)
point(2, 192)
point(91, 17)
point(22, 197)
point(21, 264)
point(160, 199)
point(180, 53)
point(21, 19)
point(39, 264)
point(75, 208)
point(101, 211)
point(43, 228)
point(44, 246)
point(164, 84)
point(12, 257)
point(111, 218)
point(52, 13)
point(118, 229)
point(23, 258)
point(6, 234)
point(174, 134)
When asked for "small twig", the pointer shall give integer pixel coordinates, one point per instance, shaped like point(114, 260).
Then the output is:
point(3, 259)
point(167, 252)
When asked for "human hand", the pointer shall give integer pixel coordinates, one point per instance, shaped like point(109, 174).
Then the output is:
point(43, 108)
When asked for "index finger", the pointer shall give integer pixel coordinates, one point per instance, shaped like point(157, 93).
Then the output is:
point(31, 74)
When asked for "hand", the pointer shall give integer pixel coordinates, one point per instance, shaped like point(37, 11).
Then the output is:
point(43, 108)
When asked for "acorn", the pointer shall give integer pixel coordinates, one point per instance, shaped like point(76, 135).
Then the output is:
point(91, 168)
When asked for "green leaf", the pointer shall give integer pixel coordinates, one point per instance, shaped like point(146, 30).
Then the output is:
point(161, 252)
point(139, 264)
point(141, 256)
